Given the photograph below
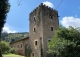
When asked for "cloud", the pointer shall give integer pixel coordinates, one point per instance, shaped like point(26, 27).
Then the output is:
point(70, 21)
point(8, 30)
point(49, 4)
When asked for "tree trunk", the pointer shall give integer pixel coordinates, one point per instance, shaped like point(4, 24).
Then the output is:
point(0, 47)
point(0, 53)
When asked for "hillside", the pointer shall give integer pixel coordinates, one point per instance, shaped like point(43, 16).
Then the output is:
point(11, 37)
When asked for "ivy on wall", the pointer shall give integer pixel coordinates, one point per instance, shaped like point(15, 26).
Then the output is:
point(38, 16)
point(28, 50)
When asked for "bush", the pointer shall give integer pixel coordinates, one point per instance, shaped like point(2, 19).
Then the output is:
point(12, 50)
point(4, 47)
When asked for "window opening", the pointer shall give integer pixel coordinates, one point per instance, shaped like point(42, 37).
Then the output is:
point(34, 19)
point(49, 40)
point(35, 42)
point(51, 17)
point(33, 54)
point(18, 46)
point(21, 45)
point(34, 30)
point(51, 28)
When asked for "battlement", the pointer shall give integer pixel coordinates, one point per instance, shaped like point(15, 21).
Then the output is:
point(43, 6)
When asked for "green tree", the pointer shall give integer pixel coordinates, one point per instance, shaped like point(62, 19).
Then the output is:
point(65, 40)
point(4, 9)
point(4, 47)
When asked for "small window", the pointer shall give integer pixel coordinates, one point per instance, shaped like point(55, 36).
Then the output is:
point(18, 46)
point(49, 40)
point(51, 17)
point(34, 30)
point(34, 19)
point(35, 42)
point(51, 28)
point(32, 54)
point(21, 45)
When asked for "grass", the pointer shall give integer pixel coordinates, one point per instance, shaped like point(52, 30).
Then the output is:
point(12, 55)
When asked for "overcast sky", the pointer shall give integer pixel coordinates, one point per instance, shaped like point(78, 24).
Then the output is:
point(18, 16)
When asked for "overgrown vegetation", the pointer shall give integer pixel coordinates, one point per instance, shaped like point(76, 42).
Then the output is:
point(4, 47)
point(4, 9)
point(28, 50)
point(11, 37)
point(65, 41)
point(12, 50)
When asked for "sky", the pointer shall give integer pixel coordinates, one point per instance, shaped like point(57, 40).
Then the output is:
point(18, 16)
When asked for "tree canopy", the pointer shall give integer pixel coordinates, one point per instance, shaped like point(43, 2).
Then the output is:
point(11, 37)
point(4, 46)
point(4, 9)
point(65, 41)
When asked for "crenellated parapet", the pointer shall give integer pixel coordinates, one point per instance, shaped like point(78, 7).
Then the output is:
point(45, 8)
point(43, 21)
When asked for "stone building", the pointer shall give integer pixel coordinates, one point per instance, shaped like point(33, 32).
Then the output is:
point(42, 22)
point(20, 45)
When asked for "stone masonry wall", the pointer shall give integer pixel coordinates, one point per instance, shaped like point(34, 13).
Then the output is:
point(45, 18)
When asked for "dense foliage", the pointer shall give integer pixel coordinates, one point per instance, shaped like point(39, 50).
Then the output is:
point(4, 47)
point(11, 37)
point(65, 41)
point(12, 50)
point(4, 9)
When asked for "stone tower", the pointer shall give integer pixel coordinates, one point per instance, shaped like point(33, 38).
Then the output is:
point(43, 21)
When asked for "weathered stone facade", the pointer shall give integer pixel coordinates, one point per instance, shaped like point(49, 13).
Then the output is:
point(43, 22)
point(20, 45)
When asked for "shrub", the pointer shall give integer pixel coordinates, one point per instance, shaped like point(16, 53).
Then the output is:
point(12, 50)
point(4, 47)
